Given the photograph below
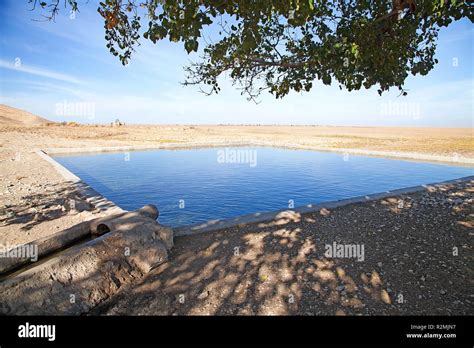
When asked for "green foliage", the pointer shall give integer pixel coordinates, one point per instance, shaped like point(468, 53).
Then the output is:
point(283, 45)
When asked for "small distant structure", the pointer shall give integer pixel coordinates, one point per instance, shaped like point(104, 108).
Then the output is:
point(117, 123)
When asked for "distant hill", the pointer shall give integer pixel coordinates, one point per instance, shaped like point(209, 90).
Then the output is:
point(15, 117)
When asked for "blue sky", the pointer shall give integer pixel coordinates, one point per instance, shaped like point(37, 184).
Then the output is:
point(47, 67)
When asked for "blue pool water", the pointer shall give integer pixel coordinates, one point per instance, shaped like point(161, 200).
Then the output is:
point(196, 185)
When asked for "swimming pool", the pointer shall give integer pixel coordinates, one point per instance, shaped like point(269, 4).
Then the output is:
point(196, 185)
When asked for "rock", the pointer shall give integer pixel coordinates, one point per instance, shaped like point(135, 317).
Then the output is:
point(81, 206)
point(203, 295)
point(38, 217)
point(443, 292)
point(100, 267)
point(166, 234)
point(149, 258)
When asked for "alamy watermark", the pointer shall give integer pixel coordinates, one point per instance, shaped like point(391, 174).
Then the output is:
point(401, 109)
point(28, 330)
point(81, 109)
point(350, 251)
point(240, 156)
point(24, 251)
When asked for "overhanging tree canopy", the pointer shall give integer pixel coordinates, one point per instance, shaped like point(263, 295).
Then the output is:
point(283, 45)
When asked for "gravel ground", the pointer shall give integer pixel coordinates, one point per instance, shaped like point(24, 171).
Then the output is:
point(418, 260)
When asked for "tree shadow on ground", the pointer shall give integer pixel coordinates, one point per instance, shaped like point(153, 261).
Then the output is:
point(57, 201)
point(281, 267)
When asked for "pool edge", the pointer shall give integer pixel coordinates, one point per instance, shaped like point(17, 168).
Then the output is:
point(110, 207)
point(92, 196)
point(216, 225)
point(412, 156)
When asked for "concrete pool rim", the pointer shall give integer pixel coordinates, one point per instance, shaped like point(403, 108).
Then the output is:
point(110, 207)
point(453, 159)
point(215, 225)
point(92, 196)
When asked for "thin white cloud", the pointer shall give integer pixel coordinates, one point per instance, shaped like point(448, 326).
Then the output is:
point(456, 36)
point(33, 70)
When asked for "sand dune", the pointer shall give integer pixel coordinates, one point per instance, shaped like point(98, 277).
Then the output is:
point(16, 117)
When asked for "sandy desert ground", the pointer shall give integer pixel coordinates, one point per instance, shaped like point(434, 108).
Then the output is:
point(390, 141)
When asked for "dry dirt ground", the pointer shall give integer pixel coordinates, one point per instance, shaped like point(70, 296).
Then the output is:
point(35, 199)
point(278, 268)
point(17, 117)
point(418, 261)
point(427, 141)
